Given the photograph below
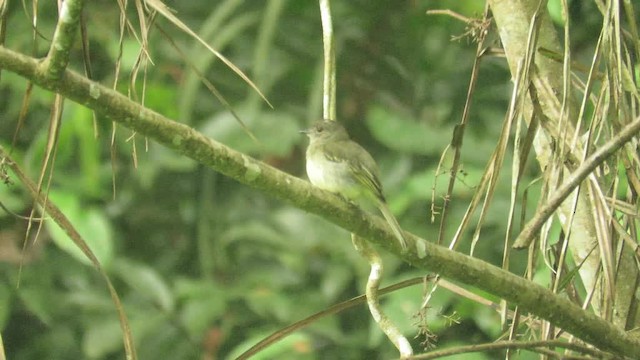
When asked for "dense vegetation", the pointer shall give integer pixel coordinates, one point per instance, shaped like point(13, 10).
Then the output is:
point(207, 266)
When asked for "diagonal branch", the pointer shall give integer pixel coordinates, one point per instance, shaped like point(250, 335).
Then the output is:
point(260, 176)
point(58, 57)
point(574, 180)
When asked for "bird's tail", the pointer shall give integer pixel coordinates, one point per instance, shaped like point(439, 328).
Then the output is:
point(395, 227)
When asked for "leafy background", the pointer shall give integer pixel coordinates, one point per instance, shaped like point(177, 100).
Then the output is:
point(207, 267)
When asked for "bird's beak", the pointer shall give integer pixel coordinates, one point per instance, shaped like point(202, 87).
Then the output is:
point(305, 131)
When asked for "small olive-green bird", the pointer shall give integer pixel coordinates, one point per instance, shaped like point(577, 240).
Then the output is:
point(340, 165)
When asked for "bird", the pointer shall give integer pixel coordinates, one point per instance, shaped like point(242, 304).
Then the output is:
point(340, 165)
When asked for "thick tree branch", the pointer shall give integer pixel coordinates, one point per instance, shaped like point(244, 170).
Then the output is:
point(529, 296)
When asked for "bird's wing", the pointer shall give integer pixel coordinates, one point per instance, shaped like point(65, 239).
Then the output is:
point(367, 178)
point(361, 165)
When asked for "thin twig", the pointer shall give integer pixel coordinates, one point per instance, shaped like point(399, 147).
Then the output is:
point(329, 80)
point(449, 12)
point(282, 333)
point(457, 139)
point(532, 345)
point(373, 283)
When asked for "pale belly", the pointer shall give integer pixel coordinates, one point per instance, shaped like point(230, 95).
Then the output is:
point(332, 176)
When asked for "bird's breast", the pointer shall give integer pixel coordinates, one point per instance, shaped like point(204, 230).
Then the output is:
point(330, 175)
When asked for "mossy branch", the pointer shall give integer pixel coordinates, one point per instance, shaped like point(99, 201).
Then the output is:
point(185, 140)
point(68, 22)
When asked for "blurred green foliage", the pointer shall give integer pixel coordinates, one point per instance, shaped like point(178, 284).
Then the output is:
point(207, 267)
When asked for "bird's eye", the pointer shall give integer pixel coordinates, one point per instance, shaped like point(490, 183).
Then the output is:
point(320, 129)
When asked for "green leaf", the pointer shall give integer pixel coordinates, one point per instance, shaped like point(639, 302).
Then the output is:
point(40, 302)
point(198, 314)
point(90, 222)
point(88, 150)
point(405, 135)
point(101, 338)
point(146, 281)
point(202, 304)
point(277, 132)
point(554, 7)
point(5, 304)
point(104, 335)
point(295, 346)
